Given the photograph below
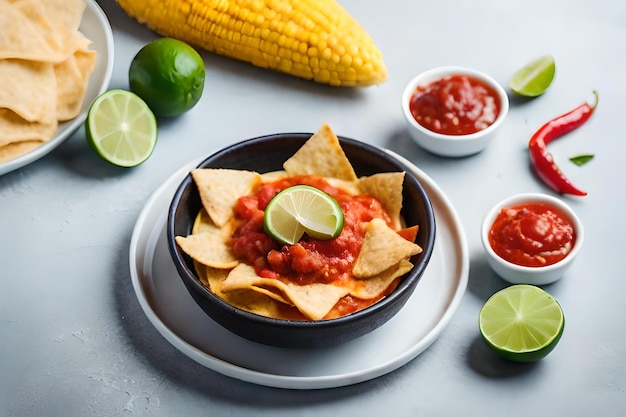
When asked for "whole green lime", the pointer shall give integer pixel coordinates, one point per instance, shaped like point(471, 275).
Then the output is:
point(168, 75)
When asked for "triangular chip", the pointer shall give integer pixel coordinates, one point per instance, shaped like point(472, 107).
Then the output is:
point(14, 128)
point(351, 187)
point(382, 248)
point(57, 22)
point(15, 149)
point(321, 155)
point(273, 176)
point(386, 187)
point(210, 277)
point(273, 292)
point(53, 16)
point(208, 248)
point(221, 188)
point(256, 302)
point(248, 300)
point(71, 79)
point(29, 89)
point(375, 286)
point(23, 38)
point(313, 300)
point(203, 223)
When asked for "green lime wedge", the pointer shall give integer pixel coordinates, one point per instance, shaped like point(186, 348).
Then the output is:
point(121, 128)
point(534, 78)
point(521, 323)
point(302, 209)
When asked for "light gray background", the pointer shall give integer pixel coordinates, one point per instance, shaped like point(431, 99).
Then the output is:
point(74, 341)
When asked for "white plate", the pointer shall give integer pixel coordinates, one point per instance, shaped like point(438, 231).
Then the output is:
point(170, 308)
point(95, 27)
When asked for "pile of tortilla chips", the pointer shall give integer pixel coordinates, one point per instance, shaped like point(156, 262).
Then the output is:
point(44, 68)
point(384, 255)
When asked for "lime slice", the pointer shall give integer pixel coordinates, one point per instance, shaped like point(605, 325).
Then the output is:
point(302, 209)
point(521, 323)
point(121, 128)
point(535, 78)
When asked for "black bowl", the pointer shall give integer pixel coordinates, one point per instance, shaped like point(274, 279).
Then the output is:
point(265, 154)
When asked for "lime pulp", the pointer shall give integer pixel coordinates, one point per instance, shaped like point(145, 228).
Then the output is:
point(534, 78)
point(121, 128)
point(302, 209)
point(521, 323)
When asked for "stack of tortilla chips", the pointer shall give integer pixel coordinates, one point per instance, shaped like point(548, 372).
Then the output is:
point(44, 68)
point(384, 256)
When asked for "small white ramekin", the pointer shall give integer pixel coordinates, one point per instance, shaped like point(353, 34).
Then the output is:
point(517, 274)
point(452, 145)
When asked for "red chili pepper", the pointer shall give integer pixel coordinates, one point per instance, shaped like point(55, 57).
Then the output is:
point(542, 160)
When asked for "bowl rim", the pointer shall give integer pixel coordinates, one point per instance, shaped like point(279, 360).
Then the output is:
point(520, 198)
point(437, 73)
point(189, 276)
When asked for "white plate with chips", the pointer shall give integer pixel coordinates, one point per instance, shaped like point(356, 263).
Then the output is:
point(95, 26)
point(171, 310)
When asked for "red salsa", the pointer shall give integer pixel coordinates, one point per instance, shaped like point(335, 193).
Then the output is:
point(532, 235)
point(455, 105)
point(310, 260)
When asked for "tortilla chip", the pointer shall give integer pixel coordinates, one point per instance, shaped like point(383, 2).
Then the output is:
point(203, 223)
point(14, 128)
point(273, 292)
point(375, 286)
point(221, 188)
point(28, 89)
point(273, 176)
point(21, 38)
point(71, 80)
point(314, 300)
point(351, 187)
point(248, 300)
point(321, 155)
point(57, 22)
point(382, 248)
point(208, 248)
point(212, 278)
point(386, 188)
point(15, 149)
point(53, 15)
point(255, 302)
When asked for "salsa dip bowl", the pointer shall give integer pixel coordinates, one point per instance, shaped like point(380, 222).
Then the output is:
point(529, 222)
point(267, 154)
point(454, 111)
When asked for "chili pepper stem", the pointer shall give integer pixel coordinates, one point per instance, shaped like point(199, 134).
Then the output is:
point(596, 101)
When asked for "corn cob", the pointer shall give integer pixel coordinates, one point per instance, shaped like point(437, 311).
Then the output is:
point(312, 39)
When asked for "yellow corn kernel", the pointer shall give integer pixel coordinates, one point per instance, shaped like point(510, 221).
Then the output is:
point(311, 39)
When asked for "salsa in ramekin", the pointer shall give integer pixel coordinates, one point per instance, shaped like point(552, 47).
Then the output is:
point(456, 104)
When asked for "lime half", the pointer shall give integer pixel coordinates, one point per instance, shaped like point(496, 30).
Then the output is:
point(121, 128)
point(302, 209)
point(534, 78)
point(522, 323)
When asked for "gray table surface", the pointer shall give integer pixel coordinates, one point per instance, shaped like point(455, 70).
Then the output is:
point(75, 342)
